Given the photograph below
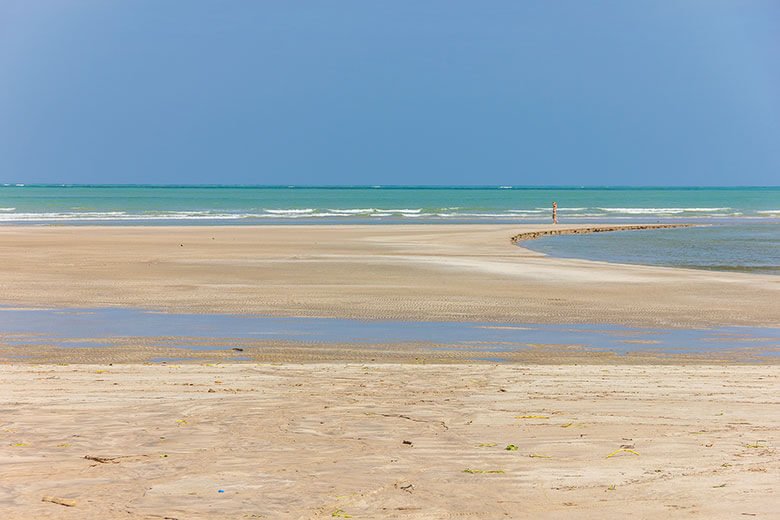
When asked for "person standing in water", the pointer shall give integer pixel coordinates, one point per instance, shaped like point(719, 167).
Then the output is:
point(555, 212)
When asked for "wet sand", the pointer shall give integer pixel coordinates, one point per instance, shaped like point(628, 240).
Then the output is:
point(200, 350)
point(388, 441)
point(413, 272)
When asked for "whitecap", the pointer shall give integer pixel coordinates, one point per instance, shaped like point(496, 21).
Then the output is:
point(289, 211)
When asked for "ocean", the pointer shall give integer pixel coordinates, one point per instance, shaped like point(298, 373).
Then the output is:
point(741, 226)
point(376, 204)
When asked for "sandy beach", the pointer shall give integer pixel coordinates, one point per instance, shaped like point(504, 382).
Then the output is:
point(414, 272)
point(317, 430)
point(388, 441)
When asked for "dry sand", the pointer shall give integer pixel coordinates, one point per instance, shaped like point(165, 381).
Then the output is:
point(325, 441)
point(417, 272)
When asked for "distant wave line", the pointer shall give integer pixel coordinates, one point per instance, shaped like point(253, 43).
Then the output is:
point(661, 210)
point(10, 215)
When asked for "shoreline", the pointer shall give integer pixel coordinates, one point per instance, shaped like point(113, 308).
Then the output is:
point(745, 249)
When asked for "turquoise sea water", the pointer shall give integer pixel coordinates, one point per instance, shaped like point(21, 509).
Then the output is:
point(736, 246)
point(252, 205)
point(743, 230)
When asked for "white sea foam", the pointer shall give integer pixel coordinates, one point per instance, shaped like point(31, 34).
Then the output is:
point(354, 211)
point(116, 216)
point(653, 211)
point(8, 214)
point(371, 211)
point(479, 215)
point(290, 211)
point(581, 215)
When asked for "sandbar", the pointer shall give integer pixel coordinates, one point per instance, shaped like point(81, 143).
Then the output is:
point(405, 272)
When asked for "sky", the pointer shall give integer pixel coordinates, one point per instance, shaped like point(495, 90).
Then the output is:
point(390, 92)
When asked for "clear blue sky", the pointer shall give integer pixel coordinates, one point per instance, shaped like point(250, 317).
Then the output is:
point(394, 92)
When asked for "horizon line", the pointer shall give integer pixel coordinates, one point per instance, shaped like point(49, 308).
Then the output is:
point(379, 186)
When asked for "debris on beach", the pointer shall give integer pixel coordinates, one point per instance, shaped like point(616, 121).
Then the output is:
point(67, 502)
point(532, 417)
point(483, 471)
point(408, 488)
point(102, 460)
point(115, 460)
point(622, 450)
point(511, 447)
